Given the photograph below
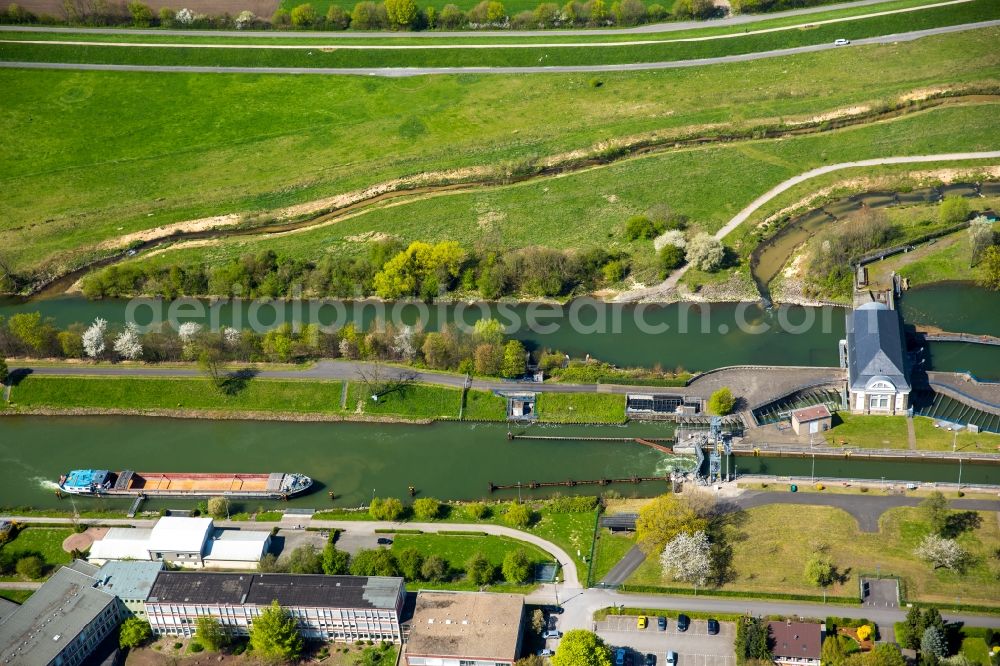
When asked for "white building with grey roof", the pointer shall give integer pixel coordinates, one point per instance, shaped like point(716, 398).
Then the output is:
point(185, 542)
point(874, 355)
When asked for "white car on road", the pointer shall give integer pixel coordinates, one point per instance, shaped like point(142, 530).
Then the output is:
point(842, 42)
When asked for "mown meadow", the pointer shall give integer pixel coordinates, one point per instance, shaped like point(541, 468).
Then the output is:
point(183, 146)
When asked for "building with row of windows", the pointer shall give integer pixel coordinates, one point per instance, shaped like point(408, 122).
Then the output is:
point(332, 608)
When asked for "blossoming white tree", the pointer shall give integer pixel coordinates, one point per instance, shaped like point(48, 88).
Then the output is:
point(942, 553)
point(671, 237)
point(245, 19)
point(188, 330)
point(184, 16)
point(127, 344)
point(402, 344)
point(705, 252)
point(230, 336)
point(93, 338)
point(686, 558)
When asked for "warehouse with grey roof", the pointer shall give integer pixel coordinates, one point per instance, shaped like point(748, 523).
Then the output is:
point(337, 608)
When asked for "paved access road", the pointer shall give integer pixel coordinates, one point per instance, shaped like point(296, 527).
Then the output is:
point(757, 383)
point(399, 72)
point(740, 19)
point(580, 606)
point(360, 527)
point(670, 283)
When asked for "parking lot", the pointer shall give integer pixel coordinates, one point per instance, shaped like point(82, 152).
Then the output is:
point(694, 647)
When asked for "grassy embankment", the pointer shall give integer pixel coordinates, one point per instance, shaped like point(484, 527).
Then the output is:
point(889, 432)
point(947, 257)
point(663, 51)
point(297, 396)
point(417, 401)
point(788, 535)
point(303, 140)
point(596, 203)
point(307, 38)
point(456, 550)
point(45, 542)
point(571, 531)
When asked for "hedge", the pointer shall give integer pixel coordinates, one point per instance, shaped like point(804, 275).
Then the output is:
point(739, 594)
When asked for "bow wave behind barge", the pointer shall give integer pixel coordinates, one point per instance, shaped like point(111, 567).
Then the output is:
point(101, 482)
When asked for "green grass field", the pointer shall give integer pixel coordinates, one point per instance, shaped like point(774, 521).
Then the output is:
point(868, 432)
point(484, 406)
point(769, 557)
point(17, 596)
point(610, 549)
point(597, 202)
point(169, 155)
point(581, 408)
point(889, 432)
point(43, 541)
point(977, 10)
point(196, 394)
point(416, 401)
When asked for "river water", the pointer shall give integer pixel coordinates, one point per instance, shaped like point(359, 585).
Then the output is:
point(458, 460)
point(353, 460)
point(690, 336)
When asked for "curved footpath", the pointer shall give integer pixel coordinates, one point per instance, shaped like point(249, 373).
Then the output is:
point(670, 283)
point(398, 72)
point(366, 527)
point(739, 19)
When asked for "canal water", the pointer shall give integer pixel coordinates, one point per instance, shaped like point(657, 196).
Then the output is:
point(355, 461)
point(690, 336)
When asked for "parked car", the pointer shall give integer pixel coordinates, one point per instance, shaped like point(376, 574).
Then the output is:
point(555, 610)
point(552, 633)
point(713, 627)
point(642, 622)
point(545, 652)
point(628, 658)
point(671, 658)
point(661, 623)
point(842, 42)
point(384, 541)
point(650, 659)
point(683, 622)
point(620, 657)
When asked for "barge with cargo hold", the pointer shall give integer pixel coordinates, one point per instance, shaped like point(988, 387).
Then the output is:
point(128, 483)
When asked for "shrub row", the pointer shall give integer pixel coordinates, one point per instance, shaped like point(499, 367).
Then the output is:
point(742, 594)
point(398, 15)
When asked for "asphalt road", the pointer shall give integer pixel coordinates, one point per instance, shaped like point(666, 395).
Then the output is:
point(741, 19)
point(580, 606)
point(671, 282)
point(400, 72)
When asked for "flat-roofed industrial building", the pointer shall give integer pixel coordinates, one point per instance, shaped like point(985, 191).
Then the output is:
point(333, 608)
point(465, 629)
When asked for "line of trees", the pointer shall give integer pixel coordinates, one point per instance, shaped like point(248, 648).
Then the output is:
point(398, 15)
point(387, 270)
point(516, 568)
